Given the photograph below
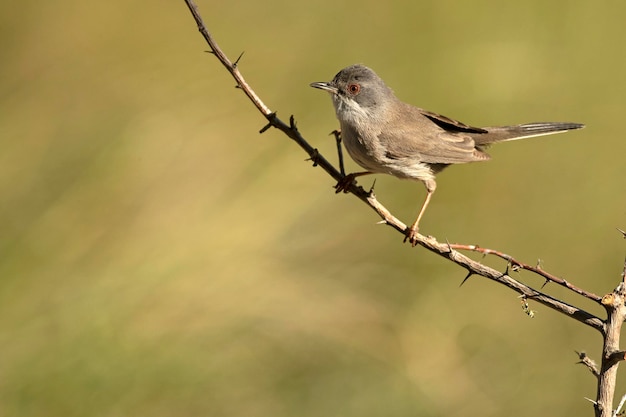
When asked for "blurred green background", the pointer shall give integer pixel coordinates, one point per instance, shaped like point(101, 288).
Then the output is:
point(159, 257)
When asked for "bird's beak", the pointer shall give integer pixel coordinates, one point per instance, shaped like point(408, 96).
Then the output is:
point(325, 86)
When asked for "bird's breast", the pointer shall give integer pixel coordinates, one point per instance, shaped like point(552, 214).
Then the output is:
point(363, 146)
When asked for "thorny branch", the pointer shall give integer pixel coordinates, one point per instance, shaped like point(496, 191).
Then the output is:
point(613, 302)
point(516, 265)
point(443, 249)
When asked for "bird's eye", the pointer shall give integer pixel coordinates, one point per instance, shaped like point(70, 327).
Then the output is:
point(354, 89)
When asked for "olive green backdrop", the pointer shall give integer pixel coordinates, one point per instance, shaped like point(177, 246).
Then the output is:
point(159, 257)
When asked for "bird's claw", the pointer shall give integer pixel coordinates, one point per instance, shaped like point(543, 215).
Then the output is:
point(344, 184)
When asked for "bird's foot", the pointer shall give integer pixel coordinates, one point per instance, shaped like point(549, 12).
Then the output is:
point(411, 234)
point(345, 183)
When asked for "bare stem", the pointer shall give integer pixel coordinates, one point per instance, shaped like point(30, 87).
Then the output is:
point(535, 269)
point(611, 355)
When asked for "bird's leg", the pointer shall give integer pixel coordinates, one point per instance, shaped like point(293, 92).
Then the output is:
point(411, 232)
point(345, 183)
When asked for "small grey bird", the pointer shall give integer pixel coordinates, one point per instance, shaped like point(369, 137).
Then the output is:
point(385, 135)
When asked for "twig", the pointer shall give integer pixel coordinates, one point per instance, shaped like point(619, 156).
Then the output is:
point(589, 363)
point(535, 269)
point(273, 120)
point(232, 68)
point(337, 135)
point(618, 410)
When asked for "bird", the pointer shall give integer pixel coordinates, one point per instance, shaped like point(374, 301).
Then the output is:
point(385, 135)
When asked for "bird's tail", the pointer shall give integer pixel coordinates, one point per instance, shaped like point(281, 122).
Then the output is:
point(527, 130)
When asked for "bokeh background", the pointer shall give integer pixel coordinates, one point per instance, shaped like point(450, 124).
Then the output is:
point(159, 257)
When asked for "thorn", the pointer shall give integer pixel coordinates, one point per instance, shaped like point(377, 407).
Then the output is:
point(594, 402)
point(538, 263)
point(237, 60)
point(238, 86)
point(337, 134)
point(545, 283)
point(372, 187)
point(314, 157)
point(449, 247)
point(210, 52)
point(622, 232)
point(469, 274)
point(382, 222)
point(267, 126)
point(269, 117)
point(292, 123)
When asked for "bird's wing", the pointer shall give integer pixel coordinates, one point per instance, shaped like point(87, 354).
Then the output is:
point(430, 137)
point(449, 124)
